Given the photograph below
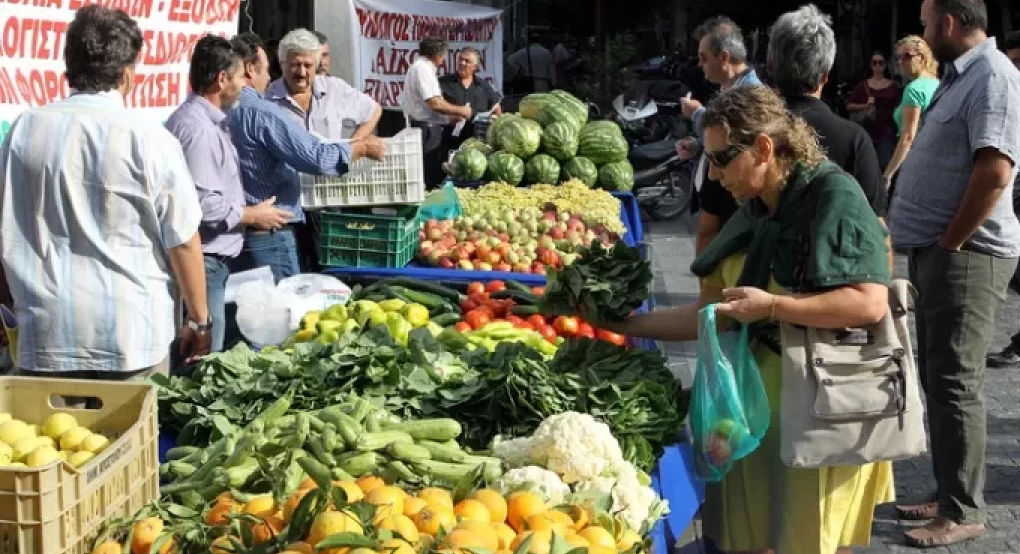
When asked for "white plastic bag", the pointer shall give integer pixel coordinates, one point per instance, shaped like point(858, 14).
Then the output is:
point(312, 291)
point(263, 313)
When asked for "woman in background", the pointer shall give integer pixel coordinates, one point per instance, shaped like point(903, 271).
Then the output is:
point(918, 66)
point(872, 104)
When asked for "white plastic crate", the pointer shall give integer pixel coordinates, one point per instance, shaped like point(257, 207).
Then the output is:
point(398, 179)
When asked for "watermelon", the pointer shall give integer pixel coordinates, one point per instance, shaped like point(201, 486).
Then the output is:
point(506, 168)
point(602, 146)
point(618, 176)
point(490, 134)
point(468, 164)
point(601, 126)
point(542, 169)
point(531, 106)
point(579, 108)
point(558, 113)
point(476, 144)
point(520, 137)
point(581, 168)
point(559, 140)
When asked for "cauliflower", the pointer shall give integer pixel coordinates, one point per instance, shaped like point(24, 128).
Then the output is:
point(538, 479)
point(633, 502)
point(575, 446)
point(514, 452)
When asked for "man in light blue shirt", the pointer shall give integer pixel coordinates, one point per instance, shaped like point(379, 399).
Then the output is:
point(271, 149)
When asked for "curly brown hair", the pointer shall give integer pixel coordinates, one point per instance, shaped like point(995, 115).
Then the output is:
point(745, 112)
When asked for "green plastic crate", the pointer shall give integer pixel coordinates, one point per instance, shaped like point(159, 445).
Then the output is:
point(359, 238)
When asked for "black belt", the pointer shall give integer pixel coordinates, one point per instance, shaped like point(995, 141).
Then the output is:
point(219, 257)
point(287, 227)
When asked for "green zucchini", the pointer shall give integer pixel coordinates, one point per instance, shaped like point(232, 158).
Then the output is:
point(445, 293)
point(447, 319)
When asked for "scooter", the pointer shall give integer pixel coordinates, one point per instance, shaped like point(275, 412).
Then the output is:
point(649, 116)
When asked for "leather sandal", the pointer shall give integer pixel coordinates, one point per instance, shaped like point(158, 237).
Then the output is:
point(928, 509)
point(943, 532)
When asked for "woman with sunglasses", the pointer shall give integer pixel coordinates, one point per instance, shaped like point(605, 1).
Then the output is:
point(918, 66)
point(805, 248)
point(872, 103)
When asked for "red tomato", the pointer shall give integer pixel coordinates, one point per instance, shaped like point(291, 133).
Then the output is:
point(468, 305)
point(475, 287)
point(538, 291)
point(495, 286)
point(566, 326)
point(479, 298)
point(514, 319)
point(525, 325)
point(478, 318)
point(537, 321)
point(462, 327)
point(584, 329)
point(548, 333)
point(611, 337)
point(486, 309)
point(498, 307)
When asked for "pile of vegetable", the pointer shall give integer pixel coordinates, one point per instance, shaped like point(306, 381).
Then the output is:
point(506, 203)
point(548, 141)
point(603, 285)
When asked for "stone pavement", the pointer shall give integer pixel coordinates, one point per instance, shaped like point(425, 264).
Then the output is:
point(672, 247)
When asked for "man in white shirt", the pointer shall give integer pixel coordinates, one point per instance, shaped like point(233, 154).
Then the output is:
point(99, 220)
point(425, 107)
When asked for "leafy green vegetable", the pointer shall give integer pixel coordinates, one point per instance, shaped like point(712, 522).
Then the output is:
point(602, 285)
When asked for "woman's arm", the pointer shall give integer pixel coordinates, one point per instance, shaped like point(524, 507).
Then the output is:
point(670, 324)
point(850, 306)
point(859, 98)
point(911, 119)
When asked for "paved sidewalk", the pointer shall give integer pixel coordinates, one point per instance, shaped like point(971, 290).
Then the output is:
point(673, 250)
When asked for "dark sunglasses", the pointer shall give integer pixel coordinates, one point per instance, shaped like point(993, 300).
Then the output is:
point(724, 157)
point(878, 62)
point(905, 57)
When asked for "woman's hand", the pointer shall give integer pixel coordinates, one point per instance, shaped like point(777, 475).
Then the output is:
point(746, 304)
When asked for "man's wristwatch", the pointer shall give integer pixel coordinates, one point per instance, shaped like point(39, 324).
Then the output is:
point(200, 327)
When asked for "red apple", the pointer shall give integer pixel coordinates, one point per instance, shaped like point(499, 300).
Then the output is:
point(550, 216)
point(446, 263)
point(483, 266)
point(425, 251)
point(483, 251)
point(504, 267)
point(556, 233)
point(576, 226)
point(465, 265)
point(549, 257)
point(538, 267)
point(434, 234)
point(436, 255)
point(477, 265)
point(522, 268)
point(491, 257)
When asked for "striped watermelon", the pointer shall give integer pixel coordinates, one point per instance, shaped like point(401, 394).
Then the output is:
point(490, 134)
point(468, 164)
point(506, 168)
point(531, 106)
point(601, 126)
point(559, 140)
point(520, 137)
point(558, 113)
point(602, 147)
point(580, 168)
point(579, 108)
point(616, 176)
point(541, 169)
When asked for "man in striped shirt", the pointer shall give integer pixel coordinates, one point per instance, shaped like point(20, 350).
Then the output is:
point(272, 149)
point(98, 217)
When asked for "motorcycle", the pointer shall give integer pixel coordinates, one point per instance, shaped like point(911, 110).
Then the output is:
point(648, 114)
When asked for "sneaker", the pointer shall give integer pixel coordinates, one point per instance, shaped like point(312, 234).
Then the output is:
point(1009, 357)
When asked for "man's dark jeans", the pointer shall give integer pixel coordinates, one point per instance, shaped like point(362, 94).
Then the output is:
point(960, 295)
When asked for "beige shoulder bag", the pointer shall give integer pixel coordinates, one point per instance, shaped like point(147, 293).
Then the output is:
point(852, 396)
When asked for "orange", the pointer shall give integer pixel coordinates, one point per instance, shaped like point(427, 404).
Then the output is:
point(144, 533)
point(351, 489)
point(226, 496)
point(396, 546)
point(108, 547)
point(438, 496)
point(599, 549)
point(370, 482)
point(413, 505)
point(261, 506)
point(504, 534)
point(301, 548)
point(545, 522)
point(493, 501)
point(561, 519)
point(331, 523)
point(578, 515)
point(482, 530)
point(472, 509)
point(308, 484)
point(576, 541)
point(462, 541)
point(222, 545)
point(402, 526)
point(388, 501)
point(627, 540)
point(433, 518)
point(217, 515)
point(265, 531)
point(521, 506)
point(598, 536)
point(539, 545)
point(292, 504)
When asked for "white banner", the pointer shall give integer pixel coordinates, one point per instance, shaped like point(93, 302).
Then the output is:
point(32, 50)
point(385, 35)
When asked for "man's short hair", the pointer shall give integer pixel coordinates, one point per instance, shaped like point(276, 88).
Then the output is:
point(971, 14)
point(1012, 41)
point(723, 36)
point(802, 50)
point(323, 39)
point(213, 55)
point(250, 43)
point(299, 41)
point(472, 51)
point(99, 44)
point(431, 47)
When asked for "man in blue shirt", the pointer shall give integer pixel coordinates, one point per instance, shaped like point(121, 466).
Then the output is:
point(271, 149)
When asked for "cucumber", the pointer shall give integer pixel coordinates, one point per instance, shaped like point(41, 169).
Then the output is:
point(408, 452)
point(444, 452)
point(517, 296)
point(445, 293)
point(447, 319)
point(430, 301)
point(524, 311)
point(437, 429)
point(368, 442)
point(361, 464)
point(518, 286)
point(398, 471)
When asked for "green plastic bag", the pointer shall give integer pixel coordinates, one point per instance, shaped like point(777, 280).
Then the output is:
point(729, 410)
point(441, 203)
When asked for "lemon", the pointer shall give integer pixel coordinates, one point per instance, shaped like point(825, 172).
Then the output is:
point(416, 314)
point(6, 453)
point(23, 448)
point(73, 438)
point(17, 464)
point(5, 417)
point(305, 335)
point(94, 443)
point(79, 459)
point(45, 441)
point(58, 424)
point(64, 454)
point(34, 429)
point(13, 431)
point(44, 455)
